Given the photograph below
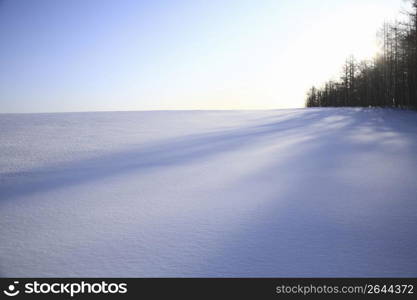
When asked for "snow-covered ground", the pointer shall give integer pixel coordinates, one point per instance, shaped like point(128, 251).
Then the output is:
point(303, 192)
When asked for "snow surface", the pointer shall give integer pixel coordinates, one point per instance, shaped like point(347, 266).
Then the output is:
point(302, 192)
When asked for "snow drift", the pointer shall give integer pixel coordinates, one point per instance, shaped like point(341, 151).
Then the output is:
point(303, 192)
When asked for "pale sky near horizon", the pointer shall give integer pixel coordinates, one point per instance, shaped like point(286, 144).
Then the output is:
point(96, 55)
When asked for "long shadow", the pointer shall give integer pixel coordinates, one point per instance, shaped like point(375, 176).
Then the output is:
point(185, 150)
point(173, 152)
point(291, 235)
point(299, 231)
point(360, 229)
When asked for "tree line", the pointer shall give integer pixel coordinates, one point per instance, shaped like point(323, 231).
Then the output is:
point(387, 80)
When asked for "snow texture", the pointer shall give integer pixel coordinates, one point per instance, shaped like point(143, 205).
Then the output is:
point(301, 192)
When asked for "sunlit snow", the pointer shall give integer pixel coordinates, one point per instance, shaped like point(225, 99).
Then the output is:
point(302, 192)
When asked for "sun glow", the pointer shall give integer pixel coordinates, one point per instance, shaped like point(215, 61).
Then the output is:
point(322, 49)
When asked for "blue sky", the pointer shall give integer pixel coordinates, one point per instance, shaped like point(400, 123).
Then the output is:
point(95, 55)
